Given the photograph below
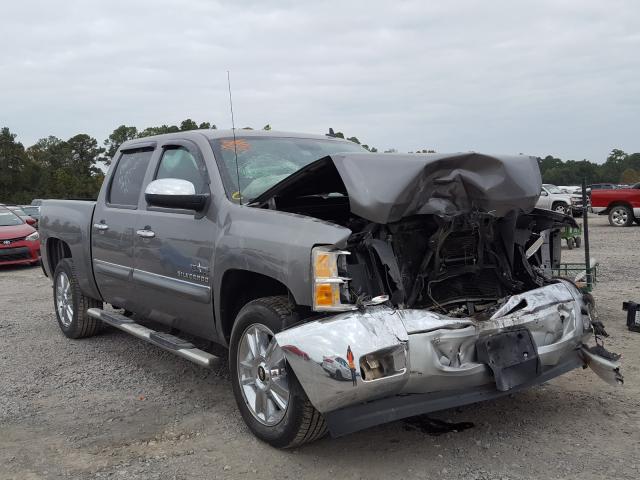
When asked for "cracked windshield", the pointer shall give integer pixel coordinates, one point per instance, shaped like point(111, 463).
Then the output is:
point(263, 162)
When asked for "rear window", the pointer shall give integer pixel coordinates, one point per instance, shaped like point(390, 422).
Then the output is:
point(128, 177)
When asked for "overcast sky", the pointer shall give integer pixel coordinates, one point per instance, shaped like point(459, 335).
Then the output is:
point(543, 77)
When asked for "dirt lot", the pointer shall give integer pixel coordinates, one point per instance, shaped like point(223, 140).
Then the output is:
point(114, 407)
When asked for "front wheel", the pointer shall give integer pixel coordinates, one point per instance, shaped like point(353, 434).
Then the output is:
point(561, 207)
point(621, 216)
point(269, 396)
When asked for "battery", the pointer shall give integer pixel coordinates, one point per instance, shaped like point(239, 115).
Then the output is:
point(633, 315)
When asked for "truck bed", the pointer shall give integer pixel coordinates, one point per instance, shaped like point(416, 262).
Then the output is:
point(69, 221)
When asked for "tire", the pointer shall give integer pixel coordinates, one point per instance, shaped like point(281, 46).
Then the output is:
point(299, 422)
point(71, 305)
point(578, 242)
point(621, 216)
point(338, 375)
point(561, 207)
point(571, 243)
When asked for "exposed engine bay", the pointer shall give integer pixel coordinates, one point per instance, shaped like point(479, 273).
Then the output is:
point(460, 266)
point(460, 260)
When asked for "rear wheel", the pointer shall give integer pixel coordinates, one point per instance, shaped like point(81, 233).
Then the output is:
point(71, 305)
point(270, 398)
point(621, 216)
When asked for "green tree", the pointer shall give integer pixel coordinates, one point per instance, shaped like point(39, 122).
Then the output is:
point(12, 166)
point(613, 167)
point(84, 153)
point(117, 138)
point(267, 127)
point(188, 124)
point(630, 176)
point(162, 129)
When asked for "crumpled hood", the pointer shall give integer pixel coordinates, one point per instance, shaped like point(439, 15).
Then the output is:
point(384, 188)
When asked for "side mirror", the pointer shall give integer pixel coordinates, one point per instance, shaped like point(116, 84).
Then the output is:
point(31, 221)
point(174, 193)
point(544, 193)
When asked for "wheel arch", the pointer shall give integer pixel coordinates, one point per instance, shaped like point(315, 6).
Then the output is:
point(56, 250)
point(618, 203)
point(237, 288)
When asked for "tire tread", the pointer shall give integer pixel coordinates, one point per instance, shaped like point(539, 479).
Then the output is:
point(87, 326)
point(312, 425)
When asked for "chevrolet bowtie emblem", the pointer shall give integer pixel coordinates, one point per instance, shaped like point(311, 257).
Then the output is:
point(199, 268)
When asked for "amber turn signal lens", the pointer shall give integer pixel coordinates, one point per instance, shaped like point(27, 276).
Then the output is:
point(327, 294)
point(325, 265)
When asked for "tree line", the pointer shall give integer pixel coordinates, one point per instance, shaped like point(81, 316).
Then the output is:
point(56, 168)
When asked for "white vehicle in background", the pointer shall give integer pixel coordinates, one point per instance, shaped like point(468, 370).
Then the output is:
point(336, 367)
point(553, 198)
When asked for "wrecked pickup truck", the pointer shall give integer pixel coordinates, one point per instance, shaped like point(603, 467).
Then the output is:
point(350, 288)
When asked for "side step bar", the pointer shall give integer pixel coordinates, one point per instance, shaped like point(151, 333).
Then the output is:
point(166, 341)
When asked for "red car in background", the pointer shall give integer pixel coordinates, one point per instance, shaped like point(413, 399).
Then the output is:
point(19, 241)
point(622, 205)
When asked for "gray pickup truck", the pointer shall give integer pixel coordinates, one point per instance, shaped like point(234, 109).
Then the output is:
point(350, 288)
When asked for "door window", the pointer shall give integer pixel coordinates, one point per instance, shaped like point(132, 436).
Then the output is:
point(128, 177)
point(178, 162)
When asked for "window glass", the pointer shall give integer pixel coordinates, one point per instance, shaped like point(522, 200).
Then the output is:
point(180, 163)
point(553, 189)
point(264, 161)
point(8, 219)
point(128, 177)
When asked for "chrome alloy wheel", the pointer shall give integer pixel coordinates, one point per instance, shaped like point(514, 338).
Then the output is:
point(619, 216)
point(262, 375)
point(64, 299)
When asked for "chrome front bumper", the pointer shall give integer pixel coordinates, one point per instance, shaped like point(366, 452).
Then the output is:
point(427, 353)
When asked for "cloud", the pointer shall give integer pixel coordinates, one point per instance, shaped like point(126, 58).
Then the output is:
point(537, 77)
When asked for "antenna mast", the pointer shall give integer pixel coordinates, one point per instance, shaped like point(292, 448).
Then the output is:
point(233, 129)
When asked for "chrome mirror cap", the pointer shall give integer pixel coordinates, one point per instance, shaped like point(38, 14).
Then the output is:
point(170, 186)
point(174, 193)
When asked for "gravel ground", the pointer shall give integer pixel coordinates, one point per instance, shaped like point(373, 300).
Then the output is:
point(114, 407)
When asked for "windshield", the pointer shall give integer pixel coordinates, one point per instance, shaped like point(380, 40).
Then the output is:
point(33, 211)
point(8, 219)
point(264, 161)
point(553, 189)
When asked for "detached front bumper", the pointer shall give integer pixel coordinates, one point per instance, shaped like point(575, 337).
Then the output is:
point(407, 362)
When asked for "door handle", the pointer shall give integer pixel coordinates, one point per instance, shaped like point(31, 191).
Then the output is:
point(101, 226)
point(146, 233)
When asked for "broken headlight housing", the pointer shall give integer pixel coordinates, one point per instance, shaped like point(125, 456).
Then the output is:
point(330, 288)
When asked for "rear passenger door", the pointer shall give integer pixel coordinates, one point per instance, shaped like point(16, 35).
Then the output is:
point(113, 228)
point(174, 248)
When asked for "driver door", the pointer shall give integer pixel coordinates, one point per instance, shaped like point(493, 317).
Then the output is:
point(545, 199)
point(174, 248)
